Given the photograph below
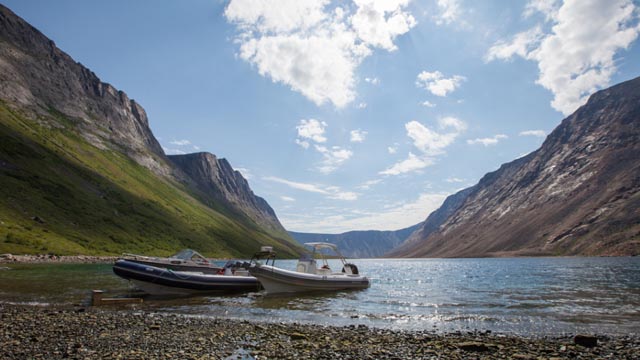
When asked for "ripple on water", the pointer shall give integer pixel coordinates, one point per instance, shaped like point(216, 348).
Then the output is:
point(524, 296)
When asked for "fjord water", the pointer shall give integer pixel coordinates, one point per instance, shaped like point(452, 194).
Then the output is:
point(527, 296)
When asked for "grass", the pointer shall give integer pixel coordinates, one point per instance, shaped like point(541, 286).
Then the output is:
point(61, 195)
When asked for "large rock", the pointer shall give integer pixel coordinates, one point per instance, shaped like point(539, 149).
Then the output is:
point(585, 340)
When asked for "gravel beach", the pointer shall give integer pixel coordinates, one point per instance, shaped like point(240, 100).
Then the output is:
point(52, 259)
point(56, 332)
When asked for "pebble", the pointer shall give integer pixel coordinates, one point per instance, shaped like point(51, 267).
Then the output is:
point(47, 258)
point(55, 332)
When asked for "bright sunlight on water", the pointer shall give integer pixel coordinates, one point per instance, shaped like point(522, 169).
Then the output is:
point(518, 295)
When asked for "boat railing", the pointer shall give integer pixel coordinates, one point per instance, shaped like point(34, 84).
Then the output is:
point(266, 254)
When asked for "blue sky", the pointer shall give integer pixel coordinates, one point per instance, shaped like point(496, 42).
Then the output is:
point(351, 115)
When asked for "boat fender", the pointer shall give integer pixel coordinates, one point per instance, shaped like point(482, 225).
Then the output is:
point(352, 267)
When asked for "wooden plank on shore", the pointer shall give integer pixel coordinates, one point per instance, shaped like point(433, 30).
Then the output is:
point(97, 299)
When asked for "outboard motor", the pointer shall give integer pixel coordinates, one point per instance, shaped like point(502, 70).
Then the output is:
point(350, 269)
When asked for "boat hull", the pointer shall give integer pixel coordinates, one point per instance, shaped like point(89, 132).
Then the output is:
point(206, 269)
point(162, 281)
point(276, 280)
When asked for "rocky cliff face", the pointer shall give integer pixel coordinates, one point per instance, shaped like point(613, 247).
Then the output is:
point(37, 76)
point(61, 125)
point(219, 180)
point(579, 194)
point(360, 244)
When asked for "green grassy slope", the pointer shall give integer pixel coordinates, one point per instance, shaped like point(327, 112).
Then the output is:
point(61, 195)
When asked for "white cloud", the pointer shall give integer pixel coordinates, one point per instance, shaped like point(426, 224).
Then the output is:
point(344, 195)
point(372, 81)
point(331, 192)
point(452, 122)
point(297, 185)
point(437, 84)
point(487, 141)
point(547, 7)
point(430, 143)
point(454, 180)
point(410, 164)
point(246, 173)
point(361, 105)
point(390, 218)
point(276, 16)
point(368, 184)
point(180, 142)
point(450, 11)
point(287, 198)
point(169, 151)
point(521, 44)
point(196, 147)
point(576, 56)
point(315, 47)
point(321, 67)
point(379, 22)
point(538, 133)
point(392, 149)
point(304, 144)
point(311, 129)
point(332, 158)
point(428, 103)
point(358, 135)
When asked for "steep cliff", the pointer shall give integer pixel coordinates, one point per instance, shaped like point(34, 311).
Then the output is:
point(39, 78)
point(579, 194)
point(81, 171)
point(218, 179)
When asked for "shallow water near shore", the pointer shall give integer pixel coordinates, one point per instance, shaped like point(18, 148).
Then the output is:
point(523, 296)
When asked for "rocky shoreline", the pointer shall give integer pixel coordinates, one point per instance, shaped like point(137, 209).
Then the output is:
point(46, 258)
point(55, 332)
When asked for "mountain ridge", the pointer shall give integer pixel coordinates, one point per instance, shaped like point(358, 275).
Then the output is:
point(94, 178)
point(360, 243)
point(218, 179)
point(578, 194)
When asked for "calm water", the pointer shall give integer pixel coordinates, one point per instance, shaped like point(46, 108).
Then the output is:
point(534, 296)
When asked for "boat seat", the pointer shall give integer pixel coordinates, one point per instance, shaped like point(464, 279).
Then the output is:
point(306, 266)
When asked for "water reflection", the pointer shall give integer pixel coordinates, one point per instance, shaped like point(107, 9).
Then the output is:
point(537, 295)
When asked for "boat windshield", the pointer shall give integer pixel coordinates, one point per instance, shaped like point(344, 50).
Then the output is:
point(323, 249)
point(188, 254)
point(306, 257)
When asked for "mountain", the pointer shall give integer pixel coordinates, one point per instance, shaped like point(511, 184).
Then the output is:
point(431, 224)
point(578, 194)
point(360, 244)
point(219, 180)
point(81, 172)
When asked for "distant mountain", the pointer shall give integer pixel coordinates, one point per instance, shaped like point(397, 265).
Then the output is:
point(451, 204)
point(579, 194)
point(360, 244)
point(81, 171)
